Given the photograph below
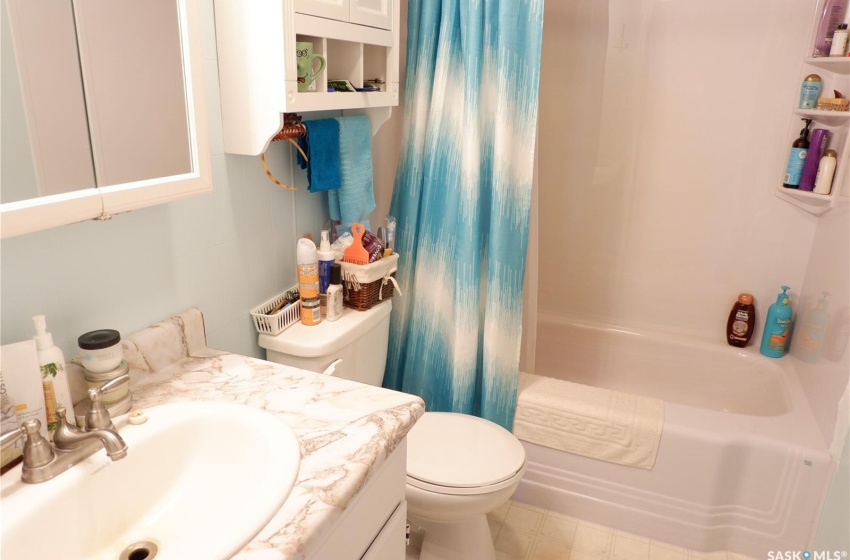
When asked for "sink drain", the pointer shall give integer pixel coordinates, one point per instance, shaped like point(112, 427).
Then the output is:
point(141, 550)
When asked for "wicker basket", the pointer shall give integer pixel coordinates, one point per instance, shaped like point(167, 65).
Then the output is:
point(274, 324)
point(363, 286)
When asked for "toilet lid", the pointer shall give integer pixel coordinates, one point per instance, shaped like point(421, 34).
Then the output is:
point(461, 451)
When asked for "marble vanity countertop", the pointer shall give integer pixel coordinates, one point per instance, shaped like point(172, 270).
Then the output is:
point(345, 429)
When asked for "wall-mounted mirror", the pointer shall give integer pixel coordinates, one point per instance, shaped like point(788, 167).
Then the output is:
point(102, 104)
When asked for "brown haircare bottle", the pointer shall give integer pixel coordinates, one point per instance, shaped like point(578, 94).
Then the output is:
point(742, 321)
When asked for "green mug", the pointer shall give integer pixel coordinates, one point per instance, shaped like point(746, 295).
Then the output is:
point(304, 62)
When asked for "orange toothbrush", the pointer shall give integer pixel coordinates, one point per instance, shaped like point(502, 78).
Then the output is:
point(356, 253)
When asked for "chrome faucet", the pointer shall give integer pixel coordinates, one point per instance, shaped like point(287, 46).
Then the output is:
point(70, 444)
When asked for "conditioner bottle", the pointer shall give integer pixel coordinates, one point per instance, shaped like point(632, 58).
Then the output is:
point(777, 327)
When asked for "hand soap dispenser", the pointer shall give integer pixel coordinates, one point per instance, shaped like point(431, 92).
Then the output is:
point(777, 327)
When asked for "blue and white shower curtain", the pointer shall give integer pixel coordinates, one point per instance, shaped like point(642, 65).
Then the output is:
point(462, 200)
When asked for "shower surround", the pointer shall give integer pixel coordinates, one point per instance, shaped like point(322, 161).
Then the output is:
point(656, 208)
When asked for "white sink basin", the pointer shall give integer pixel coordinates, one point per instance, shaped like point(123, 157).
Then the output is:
point(200, 480)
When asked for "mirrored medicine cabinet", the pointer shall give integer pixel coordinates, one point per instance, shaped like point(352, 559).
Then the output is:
point(103, 109)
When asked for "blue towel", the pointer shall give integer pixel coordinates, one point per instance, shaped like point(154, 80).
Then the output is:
point(356, 197)
point(322, 148)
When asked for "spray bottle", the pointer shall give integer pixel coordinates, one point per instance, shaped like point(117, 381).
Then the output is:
point(326, 259)
point(54, 379)
point(308, 282)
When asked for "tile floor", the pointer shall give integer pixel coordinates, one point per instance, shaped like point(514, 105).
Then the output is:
point(523, 532)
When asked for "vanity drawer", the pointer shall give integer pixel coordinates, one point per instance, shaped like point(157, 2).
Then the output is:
point(370, 518)
point(390, 542)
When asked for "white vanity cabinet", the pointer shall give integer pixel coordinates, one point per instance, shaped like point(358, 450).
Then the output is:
point(374, 13)
point(373, 525)
point(359, 40)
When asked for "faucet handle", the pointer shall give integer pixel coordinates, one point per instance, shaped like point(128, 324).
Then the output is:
point(111, 384)
point(9, 438)
point(97, 416)
point(37, 450)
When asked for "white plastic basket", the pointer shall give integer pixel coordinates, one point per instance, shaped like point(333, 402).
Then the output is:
point(274, 324)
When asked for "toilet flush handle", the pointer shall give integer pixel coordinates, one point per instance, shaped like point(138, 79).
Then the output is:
point(331, 368)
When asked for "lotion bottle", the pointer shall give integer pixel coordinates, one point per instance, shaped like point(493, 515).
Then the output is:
point(777, 327)
point(54, 379)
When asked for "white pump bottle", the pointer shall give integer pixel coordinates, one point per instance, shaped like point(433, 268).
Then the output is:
point(54, 379)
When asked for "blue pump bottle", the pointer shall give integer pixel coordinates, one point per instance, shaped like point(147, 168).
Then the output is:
point(777, 327)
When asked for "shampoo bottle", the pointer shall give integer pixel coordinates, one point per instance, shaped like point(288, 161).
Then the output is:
point(777, 327)
point(308, 282)
point(742, 321)
point(54, 379)
point(797, 158)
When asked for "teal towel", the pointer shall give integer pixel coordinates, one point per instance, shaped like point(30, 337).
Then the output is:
point(322, 147)
point(355, 198)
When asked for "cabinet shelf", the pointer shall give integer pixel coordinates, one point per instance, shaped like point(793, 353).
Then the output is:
point(258, 72)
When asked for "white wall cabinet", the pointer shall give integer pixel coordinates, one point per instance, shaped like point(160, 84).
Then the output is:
point(835, 74)
point(257, 70)
point(374, 13)
point(373, 525)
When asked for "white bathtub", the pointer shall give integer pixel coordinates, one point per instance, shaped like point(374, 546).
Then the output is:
point(741, 465)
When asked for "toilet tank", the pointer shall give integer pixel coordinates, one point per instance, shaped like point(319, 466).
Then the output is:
point(358, 338)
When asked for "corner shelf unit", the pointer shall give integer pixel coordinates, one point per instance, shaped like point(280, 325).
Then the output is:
point(835, 73)
point(257, 70)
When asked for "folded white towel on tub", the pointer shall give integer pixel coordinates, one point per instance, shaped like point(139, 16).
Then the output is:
point(608, 425)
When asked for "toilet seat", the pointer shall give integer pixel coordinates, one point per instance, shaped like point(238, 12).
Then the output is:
point(452, 453)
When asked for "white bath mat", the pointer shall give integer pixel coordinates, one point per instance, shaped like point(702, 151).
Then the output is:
point(608, 425)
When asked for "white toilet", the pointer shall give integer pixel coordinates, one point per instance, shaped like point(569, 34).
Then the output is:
point(459, 467)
